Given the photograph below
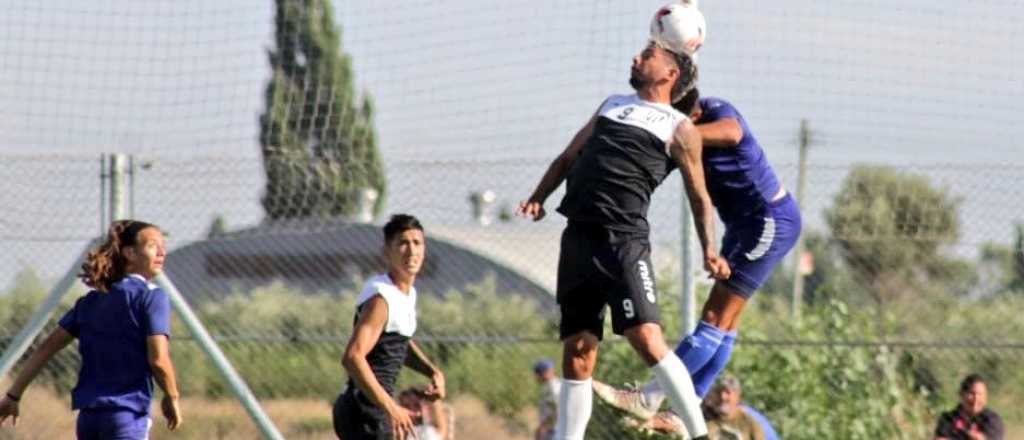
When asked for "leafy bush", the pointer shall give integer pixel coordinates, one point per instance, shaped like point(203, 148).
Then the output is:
point(288, 345)
point(838, 389)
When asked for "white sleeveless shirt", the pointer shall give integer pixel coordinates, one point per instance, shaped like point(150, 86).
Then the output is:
point(401, 306)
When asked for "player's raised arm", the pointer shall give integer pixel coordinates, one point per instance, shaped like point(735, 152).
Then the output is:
point(687, 150)
point(725, 133)
point(553, 177)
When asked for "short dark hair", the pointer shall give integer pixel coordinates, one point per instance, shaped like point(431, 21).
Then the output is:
point(969, 381)
point(398, 224)
point(689, 103)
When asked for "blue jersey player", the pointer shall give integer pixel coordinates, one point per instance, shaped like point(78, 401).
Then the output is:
point(762, 223)
point(122, 327)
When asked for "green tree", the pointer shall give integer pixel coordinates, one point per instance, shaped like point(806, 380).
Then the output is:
point(319, 145)
point(891, 228)
point(828, 280)
point(1007, 262)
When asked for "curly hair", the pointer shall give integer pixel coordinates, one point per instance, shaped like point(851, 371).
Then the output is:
point(105, 265)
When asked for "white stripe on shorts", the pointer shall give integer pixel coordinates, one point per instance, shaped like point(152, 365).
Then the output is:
point(765, 242)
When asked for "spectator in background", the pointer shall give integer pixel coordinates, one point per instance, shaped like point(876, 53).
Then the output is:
point(547, 408)
point(430, 417)
point(970, 420)
point(727, 419)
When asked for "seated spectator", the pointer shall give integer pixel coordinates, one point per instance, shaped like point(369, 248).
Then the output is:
point(769, 430)
point(431, 418)
point(970, 420)
point(726, 417)
point(727, 420)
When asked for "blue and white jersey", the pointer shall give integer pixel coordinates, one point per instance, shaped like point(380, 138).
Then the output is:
point(739, 179)
point(622, 163)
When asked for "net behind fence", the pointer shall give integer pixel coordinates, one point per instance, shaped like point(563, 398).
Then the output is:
point(272, 141)
point(279, 295)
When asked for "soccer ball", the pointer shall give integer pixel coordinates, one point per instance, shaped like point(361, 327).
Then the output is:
point(679, 27)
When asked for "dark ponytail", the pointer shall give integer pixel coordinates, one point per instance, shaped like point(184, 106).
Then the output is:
point(105, 265)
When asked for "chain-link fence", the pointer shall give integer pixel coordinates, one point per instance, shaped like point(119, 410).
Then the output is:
point(911, 274)
point(914, 281)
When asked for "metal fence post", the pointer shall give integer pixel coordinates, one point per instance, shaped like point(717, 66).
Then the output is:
point(688, 271)
point(798, 251)
point(117, 176)
point(39, 319)
point(195, 327)
point(210, 347)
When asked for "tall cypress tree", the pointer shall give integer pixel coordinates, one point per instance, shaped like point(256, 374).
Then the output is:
point(319, 146)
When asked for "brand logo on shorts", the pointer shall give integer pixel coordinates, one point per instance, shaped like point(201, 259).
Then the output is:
point(645, 279)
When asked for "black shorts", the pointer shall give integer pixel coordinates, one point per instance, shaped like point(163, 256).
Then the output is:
point(599, 267)
point(356, 418)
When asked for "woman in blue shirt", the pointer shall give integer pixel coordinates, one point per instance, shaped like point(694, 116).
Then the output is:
point(122, 326)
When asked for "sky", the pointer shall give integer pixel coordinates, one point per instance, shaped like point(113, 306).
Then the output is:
point(878, 80)
point(480, 86)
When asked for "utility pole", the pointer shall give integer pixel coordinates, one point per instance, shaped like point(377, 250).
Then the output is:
point(798, 252)
point(118, 166)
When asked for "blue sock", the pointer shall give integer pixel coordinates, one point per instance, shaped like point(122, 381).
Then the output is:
point(700, 346)
point(705, 377)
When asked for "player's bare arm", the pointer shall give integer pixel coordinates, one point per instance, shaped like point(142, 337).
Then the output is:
point(553, 177)
point(687, 149)
point(419, 362)
point(723, 133)
point(159, 354)
point(54, 343)
point(365, 335)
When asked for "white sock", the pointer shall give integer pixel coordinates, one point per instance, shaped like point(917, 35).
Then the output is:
point(652, 394)
point(671, 374)
point(575, 403)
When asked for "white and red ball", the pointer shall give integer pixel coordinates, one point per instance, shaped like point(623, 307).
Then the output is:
point(679, 27)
